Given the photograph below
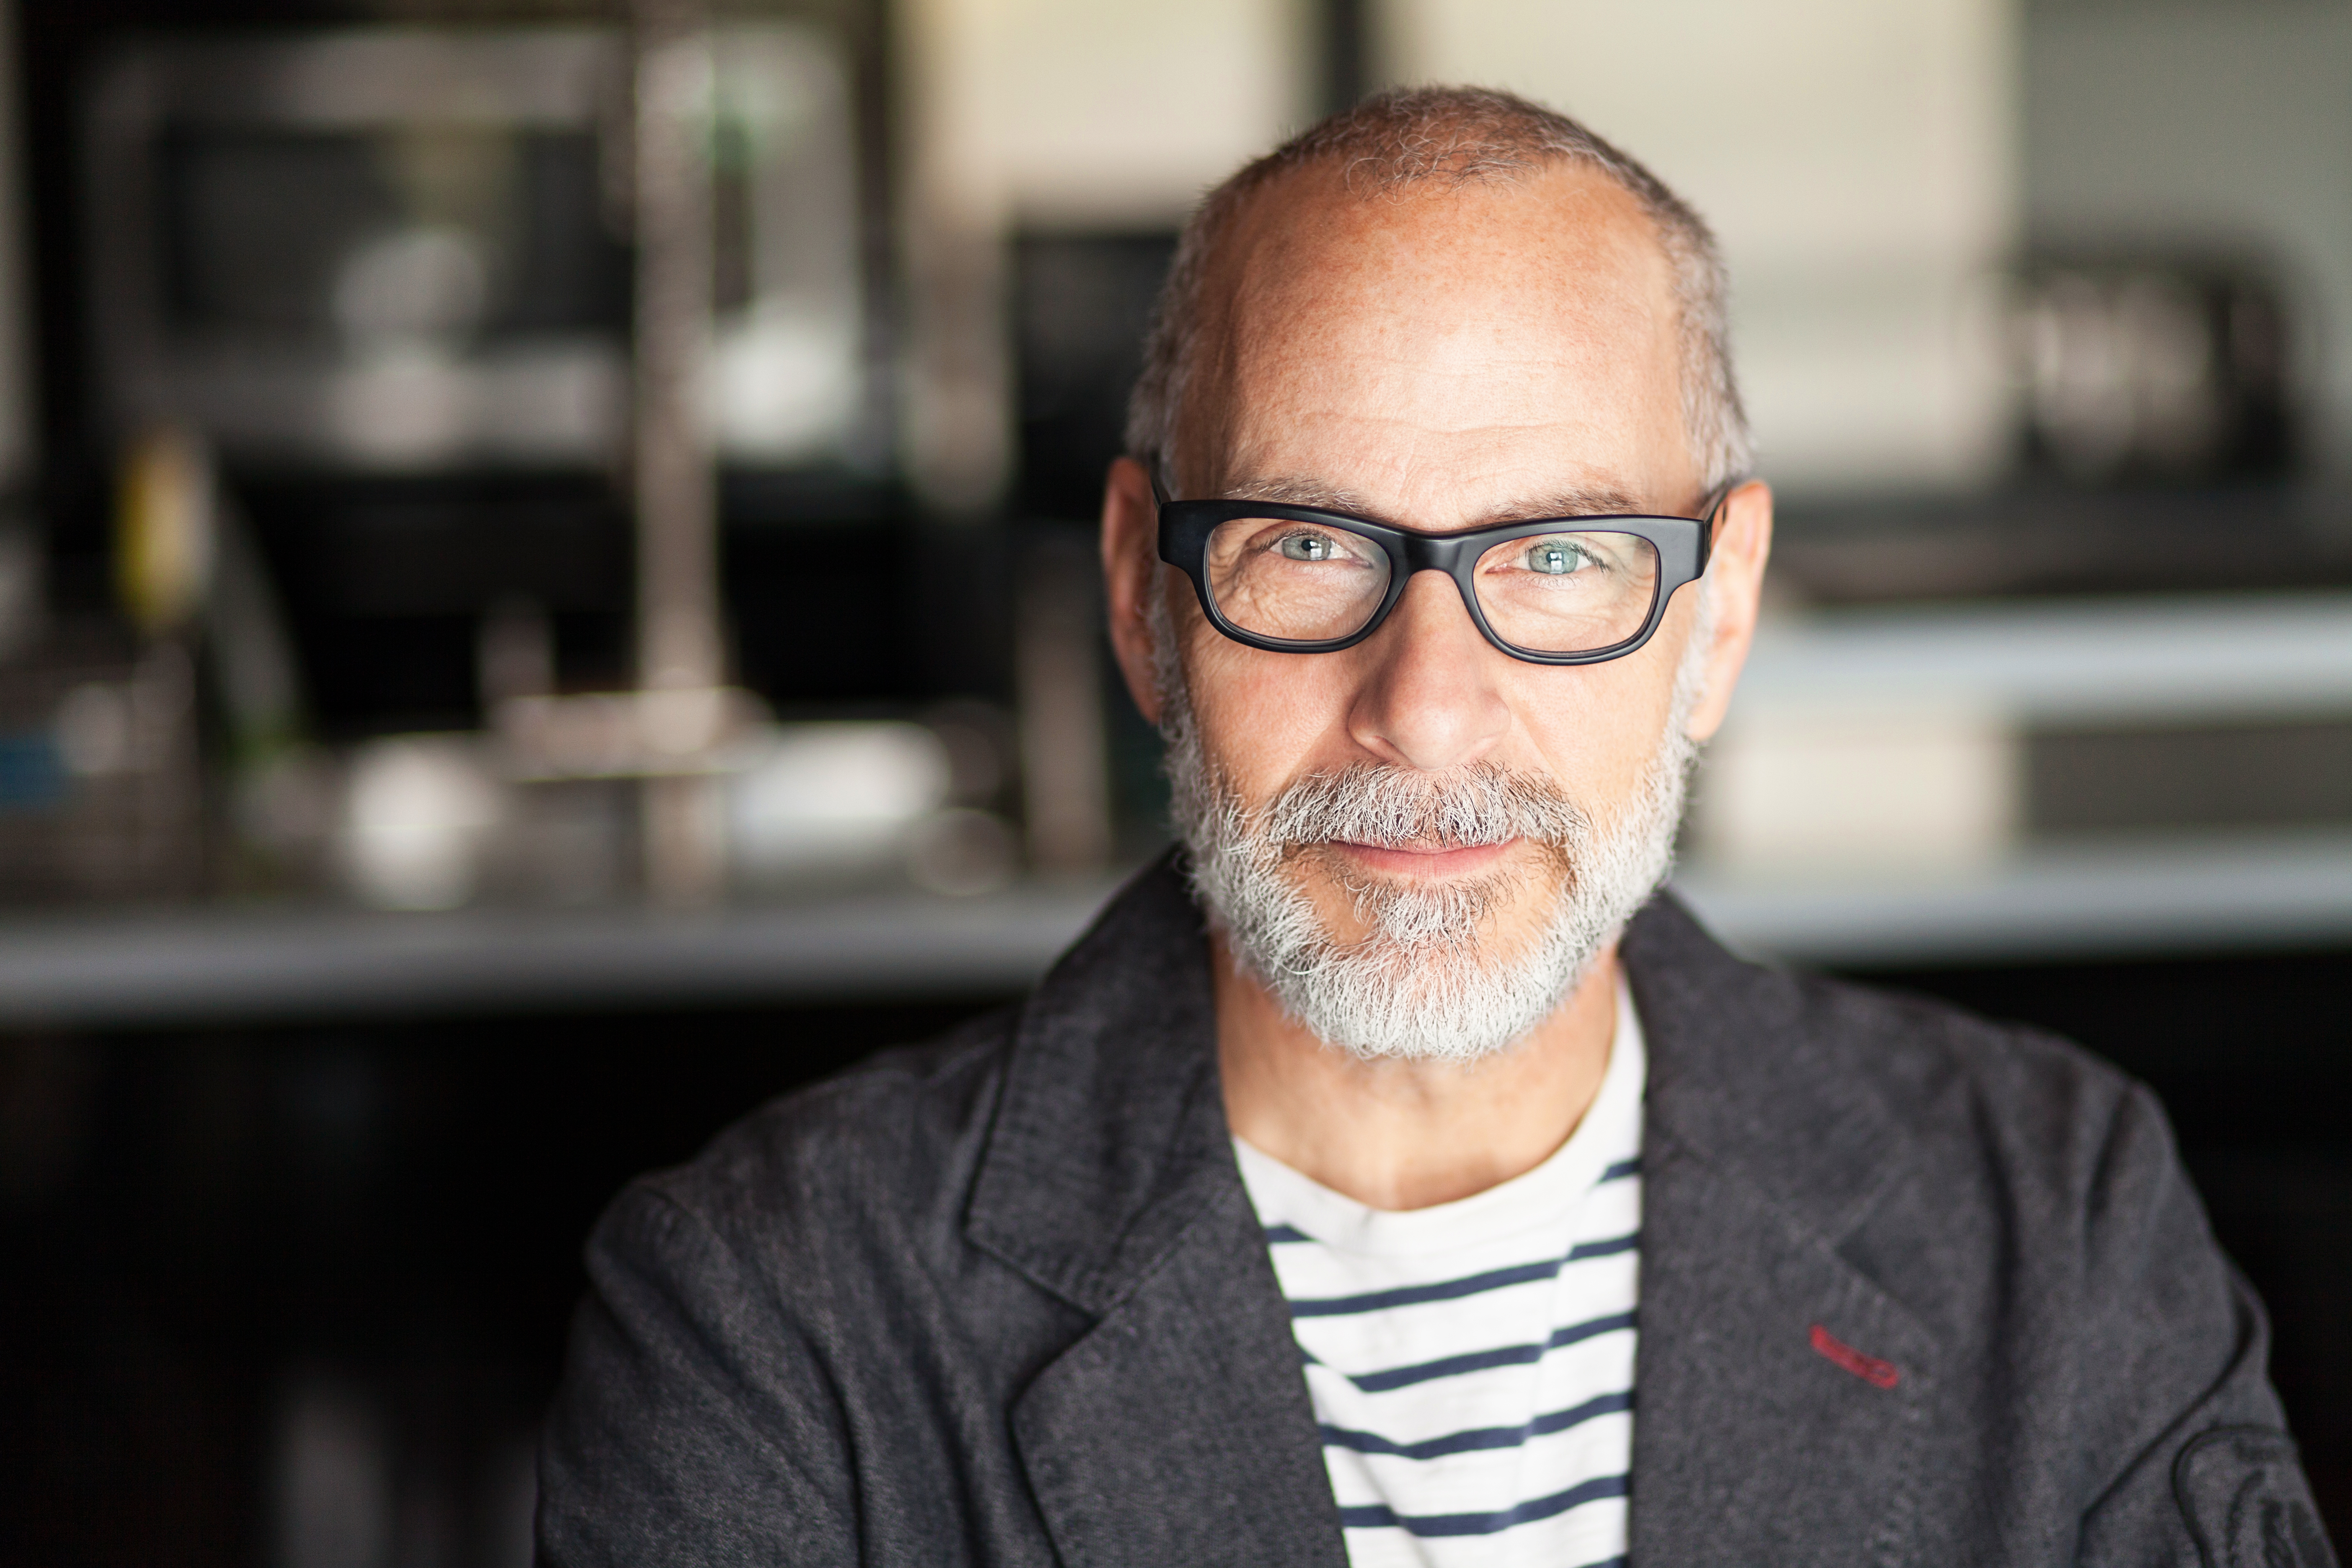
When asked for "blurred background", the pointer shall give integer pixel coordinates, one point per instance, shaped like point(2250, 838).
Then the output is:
point(546, 595)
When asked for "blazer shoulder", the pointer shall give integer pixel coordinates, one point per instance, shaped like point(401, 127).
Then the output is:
point(1787, 1044)
point(1843, 1099)
point(1931, 1058)
point(1924, 1056)
point(886, 1145)
point(1747, 1052)
point(2006, 1129)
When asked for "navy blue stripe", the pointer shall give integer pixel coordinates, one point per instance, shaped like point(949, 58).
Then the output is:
point(1622, 1169)
point(1481, 1361)
point(1413, 1295)
point(1379, 1516)
point(1455, 1290)
point(1483, 1438)
point(1278, 1234)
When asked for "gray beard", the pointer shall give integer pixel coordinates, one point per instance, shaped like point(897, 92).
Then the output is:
point(1423, 982)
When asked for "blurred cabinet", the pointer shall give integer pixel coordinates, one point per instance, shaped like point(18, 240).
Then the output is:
point(406, 250)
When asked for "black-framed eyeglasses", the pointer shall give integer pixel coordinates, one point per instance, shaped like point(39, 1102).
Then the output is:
point(1555, 590)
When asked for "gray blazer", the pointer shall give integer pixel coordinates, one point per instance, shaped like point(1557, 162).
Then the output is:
point(1915, 1289)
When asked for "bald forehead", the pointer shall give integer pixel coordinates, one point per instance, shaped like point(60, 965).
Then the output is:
point(1560, 206)
point(1529, 285)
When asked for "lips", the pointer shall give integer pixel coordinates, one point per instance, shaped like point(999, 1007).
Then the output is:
point(1431, 863)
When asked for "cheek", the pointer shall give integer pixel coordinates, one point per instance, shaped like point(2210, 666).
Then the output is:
point(1596, 727)
point(1265, 718)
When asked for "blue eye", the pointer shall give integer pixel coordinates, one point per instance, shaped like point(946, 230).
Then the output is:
point(1554, 557)
point(1308, 547)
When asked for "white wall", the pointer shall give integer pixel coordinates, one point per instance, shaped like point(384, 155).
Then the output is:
point(1096, 113)
point(1856, 159)
point(1126, 111)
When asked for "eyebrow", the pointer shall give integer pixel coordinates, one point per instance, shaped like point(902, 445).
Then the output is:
point(1579, 500)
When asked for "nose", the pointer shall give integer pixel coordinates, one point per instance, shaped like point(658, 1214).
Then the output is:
point(1426, 696)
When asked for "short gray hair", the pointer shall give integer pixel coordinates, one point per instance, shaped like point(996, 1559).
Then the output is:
point(1463, 136)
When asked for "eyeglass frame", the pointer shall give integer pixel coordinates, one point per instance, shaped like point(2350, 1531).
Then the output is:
point(1683, 545)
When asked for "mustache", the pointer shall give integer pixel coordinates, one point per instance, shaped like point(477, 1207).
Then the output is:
point(1392, 807)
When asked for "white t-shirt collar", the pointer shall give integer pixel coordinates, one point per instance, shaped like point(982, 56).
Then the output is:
point(1610, 1132)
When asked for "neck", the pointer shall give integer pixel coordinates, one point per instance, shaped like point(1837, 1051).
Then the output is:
point(1403, 1134)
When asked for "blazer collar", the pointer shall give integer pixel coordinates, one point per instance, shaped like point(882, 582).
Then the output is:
point(1175, 1431)
point(1781, 1396)
point(1110, 1136)
point(1746, 1073)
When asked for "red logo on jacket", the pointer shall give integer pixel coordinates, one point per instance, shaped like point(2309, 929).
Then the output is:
point(1869, 1368)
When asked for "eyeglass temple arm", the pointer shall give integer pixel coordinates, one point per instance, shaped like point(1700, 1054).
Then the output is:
point(1709, 512)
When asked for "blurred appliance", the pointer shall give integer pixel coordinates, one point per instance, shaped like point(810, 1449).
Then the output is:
point(99, 792)
point(2151, 368)
point(405, 250)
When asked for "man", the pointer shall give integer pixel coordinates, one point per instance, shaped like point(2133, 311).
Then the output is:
point(1394, 1178)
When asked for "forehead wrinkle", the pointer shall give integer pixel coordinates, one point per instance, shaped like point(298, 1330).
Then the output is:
point(1574, 500)
point(1300, 490)
point(1577, 500)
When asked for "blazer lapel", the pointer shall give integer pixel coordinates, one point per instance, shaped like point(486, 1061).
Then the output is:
point(1777, 1397)
point(1780, 1397)
point(1176, 1430)
point(1180, 1432)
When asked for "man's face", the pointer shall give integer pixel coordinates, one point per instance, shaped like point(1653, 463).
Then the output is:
point(1437, 360)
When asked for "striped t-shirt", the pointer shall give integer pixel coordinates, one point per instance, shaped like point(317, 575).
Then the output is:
point(1471, 1365)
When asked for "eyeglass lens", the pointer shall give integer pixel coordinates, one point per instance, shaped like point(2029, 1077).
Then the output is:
point(1549, 593)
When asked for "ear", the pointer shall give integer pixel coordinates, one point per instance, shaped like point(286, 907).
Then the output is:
point(1743, 542)
point(1131, 558)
